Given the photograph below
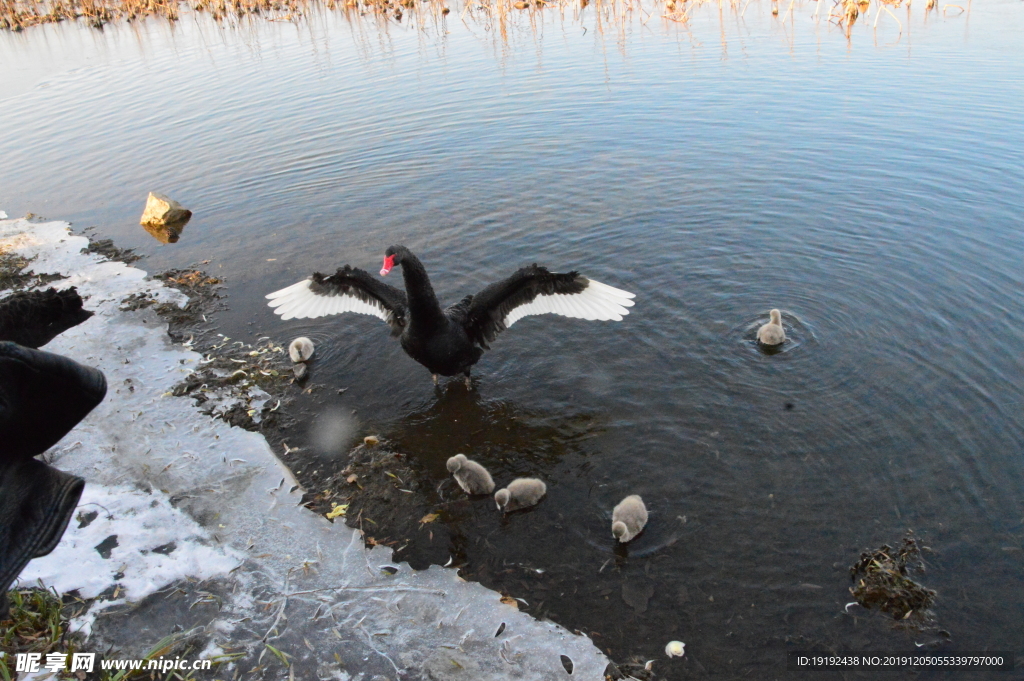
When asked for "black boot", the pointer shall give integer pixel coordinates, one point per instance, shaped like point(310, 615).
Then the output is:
point(42, 397)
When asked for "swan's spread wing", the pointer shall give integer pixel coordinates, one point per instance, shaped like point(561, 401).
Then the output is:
point(348, 290)
point(534, 290)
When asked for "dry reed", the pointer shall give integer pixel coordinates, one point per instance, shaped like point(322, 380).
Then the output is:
point(496, 16)
point(16, 15)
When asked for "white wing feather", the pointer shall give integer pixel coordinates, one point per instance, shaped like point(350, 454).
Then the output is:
point(598, 301)
point(299, 302)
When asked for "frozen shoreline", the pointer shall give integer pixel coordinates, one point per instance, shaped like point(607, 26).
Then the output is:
point(208, 510)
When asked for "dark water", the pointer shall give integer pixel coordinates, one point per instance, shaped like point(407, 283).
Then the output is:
point(872, 189)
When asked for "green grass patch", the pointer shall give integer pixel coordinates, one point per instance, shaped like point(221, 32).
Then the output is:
point(38, 624)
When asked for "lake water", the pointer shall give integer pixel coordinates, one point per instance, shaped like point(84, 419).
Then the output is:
point(872, 188)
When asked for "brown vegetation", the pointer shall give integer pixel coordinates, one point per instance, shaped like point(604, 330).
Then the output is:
point(16, 15)
point(882, 582)
point(494, 15)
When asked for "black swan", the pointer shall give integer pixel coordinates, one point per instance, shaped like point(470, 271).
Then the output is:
point(34, 318)
point(449, 341)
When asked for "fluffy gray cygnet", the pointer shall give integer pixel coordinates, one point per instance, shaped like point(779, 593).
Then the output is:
point(629, 518)
point(772, 333)
point(301, 349)
point(470, 475)
point(520, 493)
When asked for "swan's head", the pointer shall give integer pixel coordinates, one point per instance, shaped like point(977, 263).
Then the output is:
point(392, 257)
point(619, 530)
point(501, 498)
point(776, 317)
point(455, 463)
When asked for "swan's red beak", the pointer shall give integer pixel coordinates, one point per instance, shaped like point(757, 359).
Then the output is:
point(389, 262)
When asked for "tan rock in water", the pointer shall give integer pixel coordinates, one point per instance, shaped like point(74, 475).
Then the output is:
point(161, 211)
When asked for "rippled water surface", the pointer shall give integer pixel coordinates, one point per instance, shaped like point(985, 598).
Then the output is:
point(871, 188)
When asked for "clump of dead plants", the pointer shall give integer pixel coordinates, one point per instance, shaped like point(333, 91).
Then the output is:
point(881, 581)
point(13, 274)
point(16, 15)
point(234, 381)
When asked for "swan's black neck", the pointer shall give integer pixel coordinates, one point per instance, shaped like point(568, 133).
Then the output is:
point(423, 305)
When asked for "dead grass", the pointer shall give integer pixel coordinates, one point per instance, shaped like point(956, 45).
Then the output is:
point(881, 581)
point(13, 275)
point(38, 624)
point(16, 15)
point(498, 16)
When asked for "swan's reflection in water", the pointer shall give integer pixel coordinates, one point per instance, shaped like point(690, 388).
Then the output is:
point(506, 438)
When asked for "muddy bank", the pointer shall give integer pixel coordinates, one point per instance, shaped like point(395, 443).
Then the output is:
point(387, 496)
point(248, 385)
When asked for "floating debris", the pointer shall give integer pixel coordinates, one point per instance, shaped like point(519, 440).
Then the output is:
point(338, 511)
point(881, 582)
point(635, 670)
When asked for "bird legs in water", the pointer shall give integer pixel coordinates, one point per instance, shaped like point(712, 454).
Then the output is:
point(469, 383)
